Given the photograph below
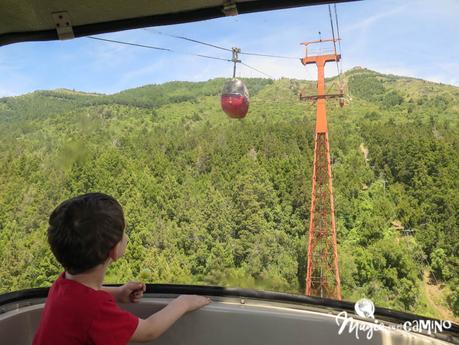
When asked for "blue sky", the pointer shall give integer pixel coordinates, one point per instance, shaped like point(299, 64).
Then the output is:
point(418, 38)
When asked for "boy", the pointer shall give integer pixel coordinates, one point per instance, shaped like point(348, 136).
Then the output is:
point(86, 234)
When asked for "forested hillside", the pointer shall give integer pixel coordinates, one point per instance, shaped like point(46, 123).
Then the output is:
point(211, 200)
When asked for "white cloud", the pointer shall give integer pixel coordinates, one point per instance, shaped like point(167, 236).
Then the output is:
point(364, 25)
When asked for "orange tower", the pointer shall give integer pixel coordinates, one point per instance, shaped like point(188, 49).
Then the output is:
point(322, 276)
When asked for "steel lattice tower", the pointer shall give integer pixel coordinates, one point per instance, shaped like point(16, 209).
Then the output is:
point(322, 276)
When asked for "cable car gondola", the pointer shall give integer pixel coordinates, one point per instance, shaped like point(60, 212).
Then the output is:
point(235, 99)
point(235, 96)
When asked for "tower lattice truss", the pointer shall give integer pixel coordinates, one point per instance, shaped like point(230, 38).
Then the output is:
point(322, 271)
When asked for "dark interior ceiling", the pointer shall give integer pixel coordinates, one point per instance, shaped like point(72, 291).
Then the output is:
point(44, 20)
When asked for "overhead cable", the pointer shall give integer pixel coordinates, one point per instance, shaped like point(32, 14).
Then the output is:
point(332, 27)
point(189, 39)
point(174, 51)
point(339, 68)
point(129, 44)
point(157, 48)
point(271, 56)
point(333, 34)
point(219, 47)
point(257, 70)
point(339, 38)
point(337, 29)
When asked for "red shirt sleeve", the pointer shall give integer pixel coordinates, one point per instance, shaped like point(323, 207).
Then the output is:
point(112, 326)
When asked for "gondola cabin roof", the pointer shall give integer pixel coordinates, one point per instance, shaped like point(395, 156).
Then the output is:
point(27, 20)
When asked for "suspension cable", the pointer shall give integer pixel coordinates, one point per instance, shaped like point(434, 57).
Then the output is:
point(337, 29)
point(269, 76)
point(219, 47)
point(176, 52)
point(271, 56)
point(332, 27)
point(157, 48)
point(128, 43)
point(188, 39)
point(339, 38)
point(333, 34)
point(338, 64)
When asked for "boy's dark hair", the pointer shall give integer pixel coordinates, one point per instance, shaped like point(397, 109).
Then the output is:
point(84, 229)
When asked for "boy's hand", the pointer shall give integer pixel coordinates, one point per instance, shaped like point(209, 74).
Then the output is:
point(131, 292)
point(193, 302)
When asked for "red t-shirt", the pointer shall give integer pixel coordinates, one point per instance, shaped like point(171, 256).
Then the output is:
point(75, 314)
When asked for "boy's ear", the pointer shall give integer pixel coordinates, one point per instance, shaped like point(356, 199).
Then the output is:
point(116, 252)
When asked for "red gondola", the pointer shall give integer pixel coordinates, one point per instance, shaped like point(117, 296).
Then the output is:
point(235, 99)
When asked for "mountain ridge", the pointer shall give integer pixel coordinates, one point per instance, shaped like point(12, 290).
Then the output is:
point(351, 71)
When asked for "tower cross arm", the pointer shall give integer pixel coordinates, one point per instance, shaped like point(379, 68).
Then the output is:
point(320, 59)
point(321, 41)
